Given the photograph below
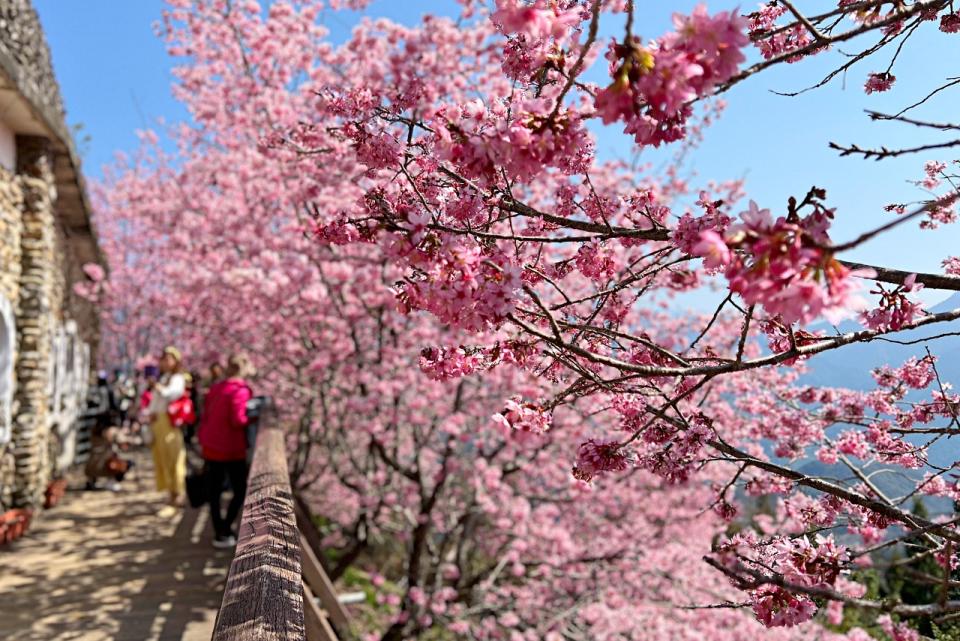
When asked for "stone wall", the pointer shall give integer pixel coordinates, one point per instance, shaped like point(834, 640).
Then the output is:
point(11, 199)
point(24, 42)
point(36, 321)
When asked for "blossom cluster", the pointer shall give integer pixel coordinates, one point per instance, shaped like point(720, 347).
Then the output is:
point(950, 22)
point(775, 606)
point(773, 40)
point(784, 265)
point(653, 85)
point(895, 309)
point(522, 140)
point(797, 561)
point(523, 417)
point(898, 631)
point(687, 231)
point(879, 82)
point(536, 33)
point(443, 363)
point(917, 373)
point(951, 265)
point(455, 280)
point(597, 456)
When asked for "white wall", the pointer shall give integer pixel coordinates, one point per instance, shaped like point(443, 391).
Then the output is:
point(8, 148)
point(8, 334)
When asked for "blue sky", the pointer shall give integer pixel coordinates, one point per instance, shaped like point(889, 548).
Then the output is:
point(115, 77)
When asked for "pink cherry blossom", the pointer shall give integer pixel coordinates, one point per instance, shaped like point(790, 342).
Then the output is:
point(597, 457)
point(775, 607)
point(652, 85)
point(950, 23)
point(714, 249)
point(951, 265)
point(879, 82)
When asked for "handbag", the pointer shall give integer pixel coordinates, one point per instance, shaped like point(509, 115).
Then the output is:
point(181, 412)
point(197, 487)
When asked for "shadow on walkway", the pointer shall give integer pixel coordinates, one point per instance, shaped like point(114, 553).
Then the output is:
point(105, 566)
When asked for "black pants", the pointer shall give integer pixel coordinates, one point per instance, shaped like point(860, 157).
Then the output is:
point(217, 472)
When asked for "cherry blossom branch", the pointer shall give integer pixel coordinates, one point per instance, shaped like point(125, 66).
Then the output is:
point(839, 12)
point(899, 220)
point(713, 319)
point(898, 276)
point(895, 16)
point(862, 55)
point(931, 281)
point(884, 152)
point(509, 203)
point(745, 331)
point(578, 65)
point(735, 366)
point(926, 124)
point(833, 489)
point(819, 37)
point(900, 539)
point(738, 571)
point(879, 493)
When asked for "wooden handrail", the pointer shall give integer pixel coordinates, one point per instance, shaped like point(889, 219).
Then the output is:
point(263, 598)
point(274, 575)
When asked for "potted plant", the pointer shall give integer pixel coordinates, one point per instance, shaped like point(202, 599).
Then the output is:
point(13, 524)
point(54, 492)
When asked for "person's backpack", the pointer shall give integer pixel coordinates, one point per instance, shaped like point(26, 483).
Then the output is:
point(256, 406)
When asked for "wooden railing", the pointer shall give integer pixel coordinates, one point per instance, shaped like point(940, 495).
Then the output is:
point(276, 588)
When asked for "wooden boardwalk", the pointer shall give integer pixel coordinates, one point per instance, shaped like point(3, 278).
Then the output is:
point(105, 566)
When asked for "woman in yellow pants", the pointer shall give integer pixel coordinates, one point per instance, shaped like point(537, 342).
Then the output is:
point(169, 455)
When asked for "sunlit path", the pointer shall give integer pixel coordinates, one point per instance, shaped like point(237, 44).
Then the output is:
point(112, 566)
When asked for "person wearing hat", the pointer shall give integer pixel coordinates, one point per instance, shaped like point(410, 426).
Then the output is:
point(169, 455)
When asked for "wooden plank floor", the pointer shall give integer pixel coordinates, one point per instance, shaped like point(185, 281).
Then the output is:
point(105, 566)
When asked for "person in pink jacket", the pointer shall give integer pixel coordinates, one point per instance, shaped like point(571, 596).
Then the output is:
point(223, 442)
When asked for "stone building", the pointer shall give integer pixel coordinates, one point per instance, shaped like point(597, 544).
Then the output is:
point(47, 332)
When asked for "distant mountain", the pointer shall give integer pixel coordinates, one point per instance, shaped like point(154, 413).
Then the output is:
point(893, 482)
point(850, 366)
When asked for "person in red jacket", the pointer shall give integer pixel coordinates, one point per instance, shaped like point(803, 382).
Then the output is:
point(223, 442)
